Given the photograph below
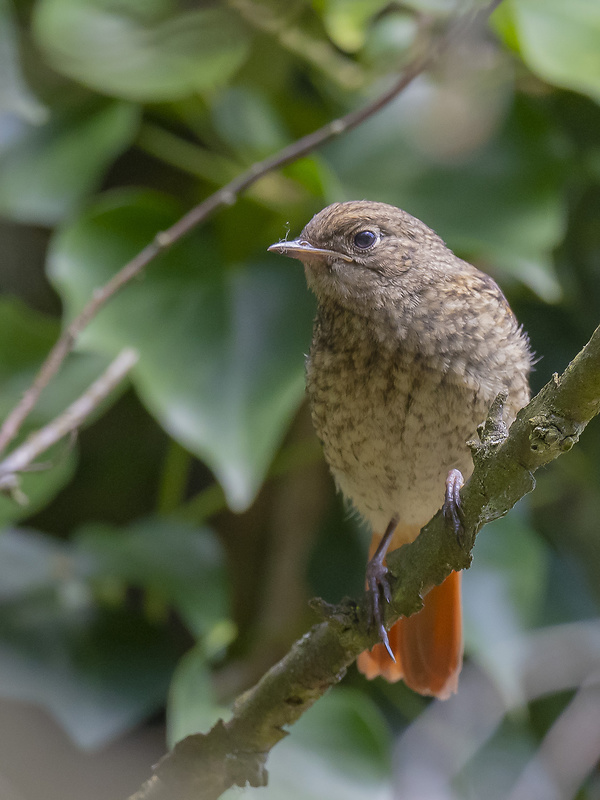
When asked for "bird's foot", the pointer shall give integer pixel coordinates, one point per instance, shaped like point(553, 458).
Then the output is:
point(379, 591)
point(451, 508)
point(378, 587)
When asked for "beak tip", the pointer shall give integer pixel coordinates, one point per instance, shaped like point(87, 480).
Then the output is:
point(303, 249)
point(284, 248)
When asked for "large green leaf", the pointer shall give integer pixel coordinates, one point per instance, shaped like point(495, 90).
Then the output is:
point(221, 349)
point(46, 170)
point(140, 49)
point(559, 41)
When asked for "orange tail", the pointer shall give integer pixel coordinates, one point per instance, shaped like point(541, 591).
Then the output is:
point(428, 645)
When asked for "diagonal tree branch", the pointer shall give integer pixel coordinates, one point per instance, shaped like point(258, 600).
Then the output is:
point(226, 196)
point(235, 752)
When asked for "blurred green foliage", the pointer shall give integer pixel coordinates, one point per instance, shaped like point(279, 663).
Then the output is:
point(167, 557)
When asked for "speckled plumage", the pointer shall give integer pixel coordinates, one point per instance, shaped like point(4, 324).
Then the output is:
point(408, 353)
point(410, 347)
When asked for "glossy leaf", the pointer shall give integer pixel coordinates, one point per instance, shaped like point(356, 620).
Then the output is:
point(221, 363)
point(560, 41)
point(47, 170)
point(141, 50)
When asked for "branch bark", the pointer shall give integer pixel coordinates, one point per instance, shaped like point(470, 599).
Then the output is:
point(235, 752)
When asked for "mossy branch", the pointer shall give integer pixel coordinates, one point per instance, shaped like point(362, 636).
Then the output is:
point(203, 766)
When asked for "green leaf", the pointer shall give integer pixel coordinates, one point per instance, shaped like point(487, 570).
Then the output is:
point(347, 21)
point(560, 41)
point(98, 672)
point(338, 750)
point(180, 564)
point(247, 122)
point(221, 363)
point(501, 203)
point(141, 51)
point(46, 170)
point(193, 706)
point(26, 337)
point(29, 563)
point(15, 95)
point(38, 488)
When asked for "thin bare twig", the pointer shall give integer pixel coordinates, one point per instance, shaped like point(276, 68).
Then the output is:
point(226, 196)
point(69, 420)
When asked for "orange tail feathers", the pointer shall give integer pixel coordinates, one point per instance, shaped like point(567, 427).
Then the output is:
point(428, 646)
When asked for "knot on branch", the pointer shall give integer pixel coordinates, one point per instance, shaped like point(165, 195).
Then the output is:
point(492, 432)
point(551, 435)
point(344, 615)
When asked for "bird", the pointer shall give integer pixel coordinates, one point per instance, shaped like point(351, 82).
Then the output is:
point(410, 347)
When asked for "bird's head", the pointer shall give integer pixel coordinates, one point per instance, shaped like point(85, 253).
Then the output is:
point(364, 252)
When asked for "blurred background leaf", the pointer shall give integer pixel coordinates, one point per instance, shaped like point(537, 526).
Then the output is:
point(98, 670)
point(15, 96)
point(143, 51)
point(222, 376)
point(46, 171)
point(557, 42)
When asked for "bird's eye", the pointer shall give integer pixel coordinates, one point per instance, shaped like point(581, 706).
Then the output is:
point(365, 239)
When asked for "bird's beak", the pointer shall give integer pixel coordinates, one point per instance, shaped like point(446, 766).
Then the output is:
point(300, 248)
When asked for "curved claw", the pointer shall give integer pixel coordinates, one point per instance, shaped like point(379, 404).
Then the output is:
point(451, 507)
point(378, 587)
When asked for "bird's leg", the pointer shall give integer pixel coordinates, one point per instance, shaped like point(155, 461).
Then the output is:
point(378, 586)
point(451, 508)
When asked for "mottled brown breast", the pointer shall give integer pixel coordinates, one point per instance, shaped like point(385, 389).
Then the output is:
point(394, 413)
